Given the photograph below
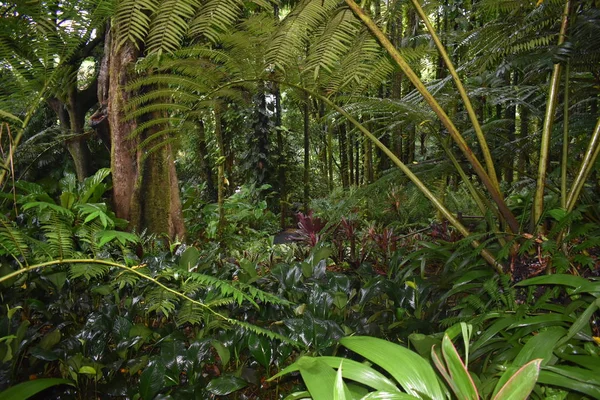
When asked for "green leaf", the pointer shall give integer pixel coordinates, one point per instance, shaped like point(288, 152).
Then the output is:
point(556, 279)
point(87, 370)
point(461, 380)
point(222, 351)
point(225, 385)
point(318, 377)
point(389, 396)
point(362, 373)
point(413, 373)
point(582, 321)
point(520, 385)
point(152, 379)
point(27, 389)
point(122, 237)
point(560, 380)
point(9, 116)
point(189, 258)
point(261, 350)
point(540, 346)
point(339, 390)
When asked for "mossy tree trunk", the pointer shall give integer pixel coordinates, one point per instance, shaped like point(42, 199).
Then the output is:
point(145, 185)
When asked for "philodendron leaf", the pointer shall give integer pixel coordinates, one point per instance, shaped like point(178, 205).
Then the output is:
point(25, 390)
point(462, 382)
point(225, 385)
point(520, 385)
point(411, 371)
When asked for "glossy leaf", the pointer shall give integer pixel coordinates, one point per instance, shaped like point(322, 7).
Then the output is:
point(152, 379)
point(362, 373)
point(261, 350)
point(560, 380)
point(225, 385)
point(25, 390)
point(520, 385)
point(411, 371)
point(389, 396)
point(555, 279)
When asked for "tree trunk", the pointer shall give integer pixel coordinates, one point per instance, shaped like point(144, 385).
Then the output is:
point(220, 168)
point(205, 165)
point(343, 144)
point(145, 189)
point(306, 198)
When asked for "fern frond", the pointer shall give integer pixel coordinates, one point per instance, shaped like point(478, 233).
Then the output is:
point(88, 271)
point(13, 242)
point(59, 236)
point(159, 300)
point(132, 20)
point(189, 313)
point(214, 18)
point(296, 30)
point(170, 24)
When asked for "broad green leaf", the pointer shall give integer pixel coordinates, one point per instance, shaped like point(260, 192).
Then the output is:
point(362, 373)
point(87, 370)
point(560, 380)
point(189, 258)
point(298, 396)
point(582, 321)
point(576, 373)
point(25, 390)
point(318, 377)
point(540, 346)
point(152, 379)
point(50, 340)
point(389, 396)
point(555, 279)
point(225, 384)
point(222, 351)
point(458, 371)
point(520, 385)
point(423, 343)
point(260, 348)
point(411, 371)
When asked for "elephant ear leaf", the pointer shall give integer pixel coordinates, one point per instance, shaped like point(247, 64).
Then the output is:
point(520, 385)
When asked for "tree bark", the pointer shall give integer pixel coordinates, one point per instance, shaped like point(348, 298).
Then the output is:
point(145, 187)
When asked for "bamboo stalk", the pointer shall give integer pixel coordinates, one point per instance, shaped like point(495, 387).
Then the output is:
point(487, 156)
point(565, 146)
point(446, 121)
point(591, 154)
point(538, 201)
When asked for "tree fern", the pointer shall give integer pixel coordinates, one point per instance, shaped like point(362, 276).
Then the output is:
point(214, 18)
point(170, 24)
point(132, 20)
point(291, 39)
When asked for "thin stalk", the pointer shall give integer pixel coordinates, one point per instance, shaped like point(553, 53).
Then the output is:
point(565, 146)
point(487, 156)
point(538, 201)
point(436, 107)
point(591, 154)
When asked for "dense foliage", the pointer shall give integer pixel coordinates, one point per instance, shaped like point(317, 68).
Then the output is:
point(302, 200)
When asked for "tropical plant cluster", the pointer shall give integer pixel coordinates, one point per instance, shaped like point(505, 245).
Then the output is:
point(316, 199)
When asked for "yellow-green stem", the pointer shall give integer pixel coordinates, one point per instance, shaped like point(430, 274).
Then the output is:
point(487, 156)
point(587, 164)
point(446, 121)
point(538, 201)
point(565, 146)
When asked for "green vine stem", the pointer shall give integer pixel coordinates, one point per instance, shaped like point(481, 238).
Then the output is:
point(133, 270)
